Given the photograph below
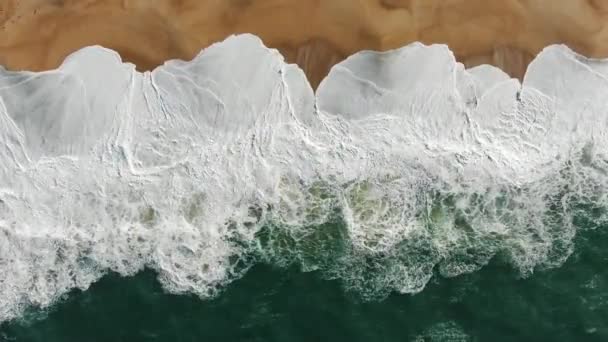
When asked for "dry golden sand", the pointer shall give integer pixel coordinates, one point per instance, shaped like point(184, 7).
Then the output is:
point(38, 34)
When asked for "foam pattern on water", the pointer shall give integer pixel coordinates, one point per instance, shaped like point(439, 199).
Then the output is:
point(402, 165)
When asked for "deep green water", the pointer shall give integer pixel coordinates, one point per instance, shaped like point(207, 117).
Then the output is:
point(276, 304)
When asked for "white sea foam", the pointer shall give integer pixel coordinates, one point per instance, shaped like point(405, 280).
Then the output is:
point(200, 169)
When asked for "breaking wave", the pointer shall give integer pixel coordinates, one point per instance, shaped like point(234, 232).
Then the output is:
point(401, 166)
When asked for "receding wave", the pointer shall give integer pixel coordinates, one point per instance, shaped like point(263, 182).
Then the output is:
point(401, 166)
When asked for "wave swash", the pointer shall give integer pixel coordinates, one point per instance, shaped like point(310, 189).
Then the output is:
point(401, 166)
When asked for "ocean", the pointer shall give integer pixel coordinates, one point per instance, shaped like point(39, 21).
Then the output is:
point(222, 199)
point(271, 303)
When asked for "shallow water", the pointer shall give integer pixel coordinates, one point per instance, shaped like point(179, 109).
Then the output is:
point(406, 186)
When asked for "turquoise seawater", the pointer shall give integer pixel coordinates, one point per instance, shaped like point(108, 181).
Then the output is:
point(405, 200)
point(272, 303)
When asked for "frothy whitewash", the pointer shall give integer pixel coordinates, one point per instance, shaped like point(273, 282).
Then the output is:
point(403, 164)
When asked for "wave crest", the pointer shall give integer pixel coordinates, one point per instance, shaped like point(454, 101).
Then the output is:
point(401, 164)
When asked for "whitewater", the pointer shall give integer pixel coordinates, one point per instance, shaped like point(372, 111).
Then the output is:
point(401, 166)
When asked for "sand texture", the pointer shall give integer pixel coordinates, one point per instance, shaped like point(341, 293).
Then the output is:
point(316, 34)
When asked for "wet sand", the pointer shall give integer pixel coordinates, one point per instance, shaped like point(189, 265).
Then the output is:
point(315, 34)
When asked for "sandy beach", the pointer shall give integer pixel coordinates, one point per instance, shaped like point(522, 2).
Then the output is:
point(39, 34)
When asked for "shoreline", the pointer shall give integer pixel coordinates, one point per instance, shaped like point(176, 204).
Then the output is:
point(37, 35)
